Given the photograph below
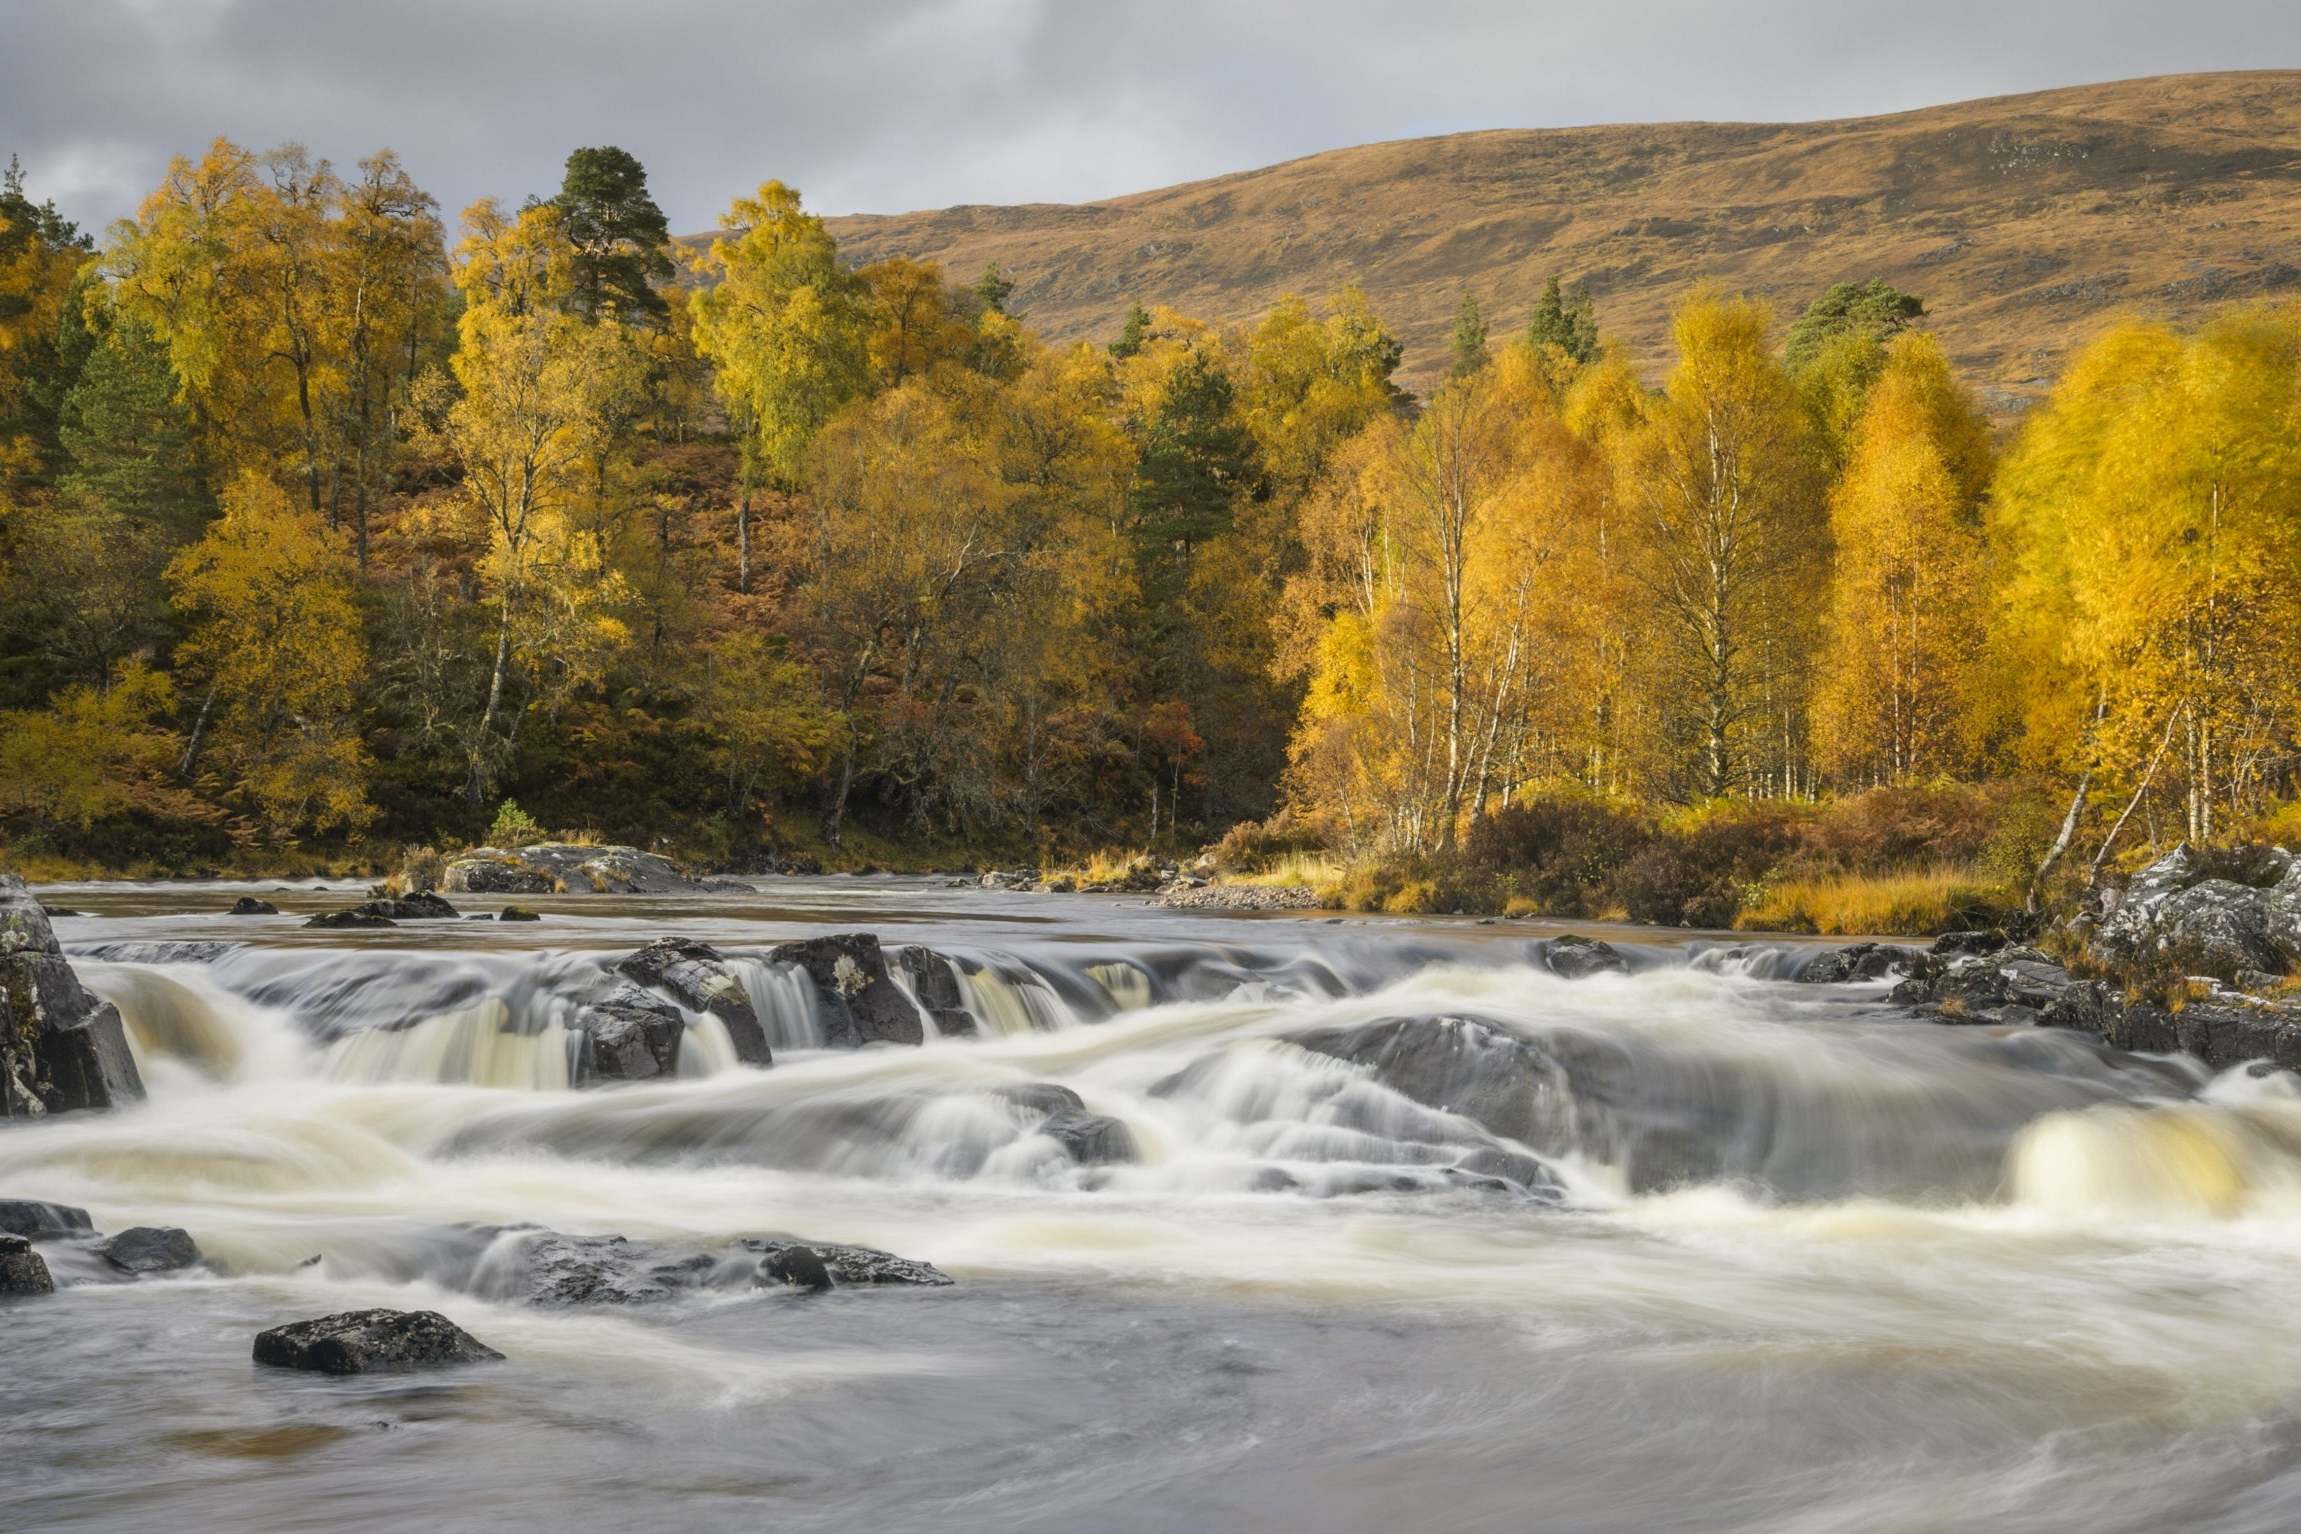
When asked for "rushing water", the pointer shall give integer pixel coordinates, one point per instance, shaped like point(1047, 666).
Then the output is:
point(1804, 1265)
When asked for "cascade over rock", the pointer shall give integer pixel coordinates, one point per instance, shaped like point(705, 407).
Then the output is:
point(60, 1048)
point(861, 1003)
point(696, 975)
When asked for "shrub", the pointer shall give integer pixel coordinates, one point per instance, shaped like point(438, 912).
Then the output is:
point(514, 827)
point(1703, 867)
point(1892, 828)
point(1254, 845)
point(1558, 852)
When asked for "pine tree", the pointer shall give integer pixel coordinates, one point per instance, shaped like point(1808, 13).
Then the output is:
point(1469, 339)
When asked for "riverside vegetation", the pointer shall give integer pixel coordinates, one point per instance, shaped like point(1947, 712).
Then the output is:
point(321, 538)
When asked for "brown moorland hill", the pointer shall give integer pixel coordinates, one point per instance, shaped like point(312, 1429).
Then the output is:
point(2024, 221)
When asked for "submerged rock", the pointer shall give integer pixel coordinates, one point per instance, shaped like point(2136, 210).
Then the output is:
point(859, 1001)
point(39, 1221)
point(1574, 956)
point(852, 1264)
point(61, 1048)
point(1043, 1098)
point(548, 1269)
point(150, 1249)
point(365, 1341)
point(1091, 1139)
point(22, 1270)
point(249, 905)
point(697, 976)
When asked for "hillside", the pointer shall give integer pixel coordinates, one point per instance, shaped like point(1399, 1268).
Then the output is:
point(2023, 221)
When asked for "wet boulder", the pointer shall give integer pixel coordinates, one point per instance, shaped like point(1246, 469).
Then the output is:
point(249, 905)
point(423, 905)
point(351, 919)
point(1042, 1098)
point(367, 1341)
point(1950, 944)
point(22, 1270)
point(795, 1267)
point(696, 975)
point(629, 1035)
point(39, 1221)
point(1091, 1139)
point(516, 913)
point(865, 1265)
point(60, 1047)
point(935, 986)
point(859, 1001)
point(150, 1249)
point(548, 1269)
point(1574, 956)
point(489, 872)
point(1857, 961)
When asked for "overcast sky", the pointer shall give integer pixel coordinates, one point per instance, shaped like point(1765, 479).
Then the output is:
point(887, 105)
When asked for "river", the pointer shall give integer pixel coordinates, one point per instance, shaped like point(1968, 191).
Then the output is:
point(1801, 1262)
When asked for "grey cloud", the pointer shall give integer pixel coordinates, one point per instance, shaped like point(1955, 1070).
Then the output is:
point(895, 104)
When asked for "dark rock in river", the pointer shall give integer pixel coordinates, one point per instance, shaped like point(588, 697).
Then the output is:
point(423, 905)
point(696, 975)
point(1091, 1139)
point(150, 1249)
point(1858, 961)
point(852, 1264)
point(860, 1002)
point(1043, 1098)
point(517, 913)
point(60, 1047)
point(935, 985)
point(795, 1267)
point(22, 1270)
point(1574, 956)
point(1950, 943)
point(546, 1268)
point(42, 1222)
point(249, 905)
point(364, 1341)
point(629, 1035)
point(350, 919)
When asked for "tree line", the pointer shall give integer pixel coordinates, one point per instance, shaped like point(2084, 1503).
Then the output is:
point(319, 527)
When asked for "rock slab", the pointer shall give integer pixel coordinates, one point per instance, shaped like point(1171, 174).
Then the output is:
point(61, 1048)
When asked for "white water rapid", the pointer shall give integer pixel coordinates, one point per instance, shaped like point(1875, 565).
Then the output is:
point(1413, 1234)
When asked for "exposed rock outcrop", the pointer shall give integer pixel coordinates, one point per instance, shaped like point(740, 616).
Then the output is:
point(865, 1265)
point(860, 1003)
point(60, 1047)
point(366, 1341)
point(547, 868)
point(2220, 913)
point(697, 977)
point(629, 1035)
point(423, 905)
point(549, 1269)
point(351, 919)
point(1240, 897)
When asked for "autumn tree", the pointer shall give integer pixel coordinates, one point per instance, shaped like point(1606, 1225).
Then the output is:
point(533, 383)
point(1725, 517)
point(267, 582)
point(1904, 619)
